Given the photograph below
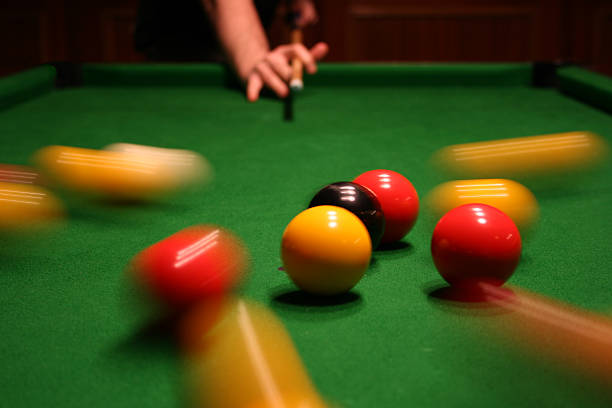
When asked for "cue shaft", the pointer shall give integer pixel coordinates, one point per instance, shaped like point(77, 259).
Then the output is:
point(296, 83)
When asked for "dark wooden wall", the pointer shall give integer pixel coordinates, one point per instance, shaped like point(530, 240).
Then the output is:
point(39, 31)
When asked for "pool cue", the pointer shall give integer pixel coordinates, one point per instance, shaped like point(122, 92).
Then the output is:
point(288, 107)
point(295, 80)
point(296, 83)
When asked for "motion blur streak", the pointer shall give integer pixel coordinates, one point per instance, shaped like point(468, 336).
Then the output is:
point(240, 355)
point(580, 339)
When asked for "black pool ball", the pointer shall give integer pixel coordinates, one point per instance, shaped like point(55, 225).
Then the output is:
point(358, 200)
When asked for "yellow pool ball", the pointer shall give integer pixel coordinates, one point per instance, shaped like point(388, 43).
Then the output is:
point(186, 167)
point(116, 175)
point(524, 156)
point(24, 205)
point(326, 250)
point(511, 197)
point(247, 343)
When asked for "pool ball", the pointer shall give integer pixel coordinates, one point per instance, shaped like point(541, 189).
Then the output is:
point(326, 250)
point(398, 199)
point(246, 343)
point(514, 199)
point(108, 174)
point(17, 174)
point(475, 243)
point(558, 153)
point(193, 264)
point(186, 167)
point(26, 206)
point(357, 199)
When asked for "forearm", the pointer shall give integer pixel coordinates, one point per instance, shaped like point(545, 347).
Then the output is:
point(239, 31)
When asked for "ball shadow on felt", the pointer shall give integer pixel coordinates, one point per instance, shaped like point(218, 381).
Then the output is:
point(462, 299)
point(287, 298)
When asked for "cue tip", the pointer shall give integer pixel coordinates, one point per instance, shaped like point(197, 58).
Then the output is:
point(296, 84)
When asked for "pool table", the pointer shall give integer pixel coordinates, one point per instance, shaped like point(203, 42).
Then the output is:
point(71, 333)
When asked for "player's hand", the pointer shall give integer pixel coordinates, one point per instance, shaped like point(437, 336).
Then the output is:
point(305, 11)
point(274, 70)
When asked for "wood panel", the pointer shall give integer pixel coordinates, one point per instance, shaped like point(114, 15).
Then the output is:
point(446, 31)
point(588, 34)
point(441, 35)
point(30, 32)
point(118, 32)
point(32, 46)
point(102, 31)
point(580, 31)
point(602, 40)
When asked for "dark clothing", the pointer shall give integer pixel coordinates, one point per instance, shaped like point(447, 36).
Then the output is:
point(179, 30)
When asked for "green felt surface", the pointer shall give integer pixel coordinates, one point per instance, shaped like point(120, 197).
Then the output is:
point(422, 75)
point(28, 84)
point(329, 75)
point(589, 87)
point(72, 335)
point(153, 74)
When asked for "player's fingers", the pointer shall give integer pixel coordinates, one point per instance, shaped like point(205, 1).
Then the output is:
point(254, 85)
point(307, 15)
point(302, 53)
point(308, 57)
point(280, 65)
point(271, 80)
point(319, 50)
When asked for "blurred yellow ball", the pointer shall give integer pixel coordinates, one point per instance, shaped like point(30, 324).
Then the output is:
point(529, 156)
point(511, 197)
point(246, 344)
point(116, 175)
point(186, 167)
point(24, 205)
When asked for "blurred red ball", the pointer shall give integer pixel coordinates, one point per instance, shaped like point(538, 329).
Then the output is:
point(196, 263)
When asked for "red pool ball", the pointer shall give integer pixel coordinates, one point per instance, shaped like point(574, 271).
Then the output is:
point(476, 243)
point(12, 173)
point(398, 199)
point(194, 264)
